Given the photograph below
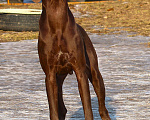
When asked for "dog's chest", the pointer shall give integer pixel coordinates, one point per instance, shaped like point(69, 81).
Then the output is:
point(63, 62)
point(62, 58)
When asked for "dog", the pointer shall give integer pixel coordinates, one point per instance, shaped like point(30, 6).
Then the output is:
point(64, 47)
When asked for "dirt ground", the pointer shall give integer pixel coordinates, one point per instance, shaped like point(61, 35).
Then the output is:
point(100, 18)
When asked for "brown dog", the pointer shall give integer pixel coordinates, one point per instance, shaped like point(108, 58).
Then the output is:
point(64, 47)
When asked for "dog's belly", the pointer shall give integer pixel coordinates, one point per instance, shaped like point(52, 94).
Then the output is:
point(63, 63)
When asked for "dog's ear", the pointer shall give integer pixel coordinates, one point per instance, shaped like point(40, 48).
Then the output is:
point(44, 3)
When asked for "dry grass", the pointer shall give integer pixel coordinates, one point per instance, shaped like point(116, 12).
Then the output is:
point(108, 17)
point(6, 36)
point(131, 16)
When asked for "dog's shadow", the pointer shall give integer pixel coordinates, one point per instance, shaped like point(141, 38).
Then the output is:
point(79, 114)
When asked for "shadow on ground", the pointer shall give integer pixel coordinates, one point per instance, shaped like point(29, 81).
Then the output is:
point(79, 114)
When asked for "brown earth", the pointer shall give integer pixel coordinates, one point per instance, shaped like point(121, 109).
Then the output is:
point(101, 18)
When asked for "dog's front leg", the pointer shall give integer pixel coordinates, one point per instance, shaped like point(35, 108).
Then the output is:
point(83, 86)
point(61, 106)
point(52, 94)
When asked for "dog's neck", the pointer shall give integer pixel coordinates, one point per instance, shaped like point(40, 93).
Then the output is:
point(54, 3)
point(57, 12)
point(56, 9)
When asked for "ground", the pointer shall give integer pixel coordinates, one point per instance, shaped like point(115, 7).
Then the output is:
point(100, 18)
point(124, 65)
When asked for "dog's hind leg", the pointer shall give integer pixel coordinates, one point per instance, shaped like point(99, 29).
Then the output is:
point(61, 106)
point(98, 84)
point(94, 74)
point(96, 79)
